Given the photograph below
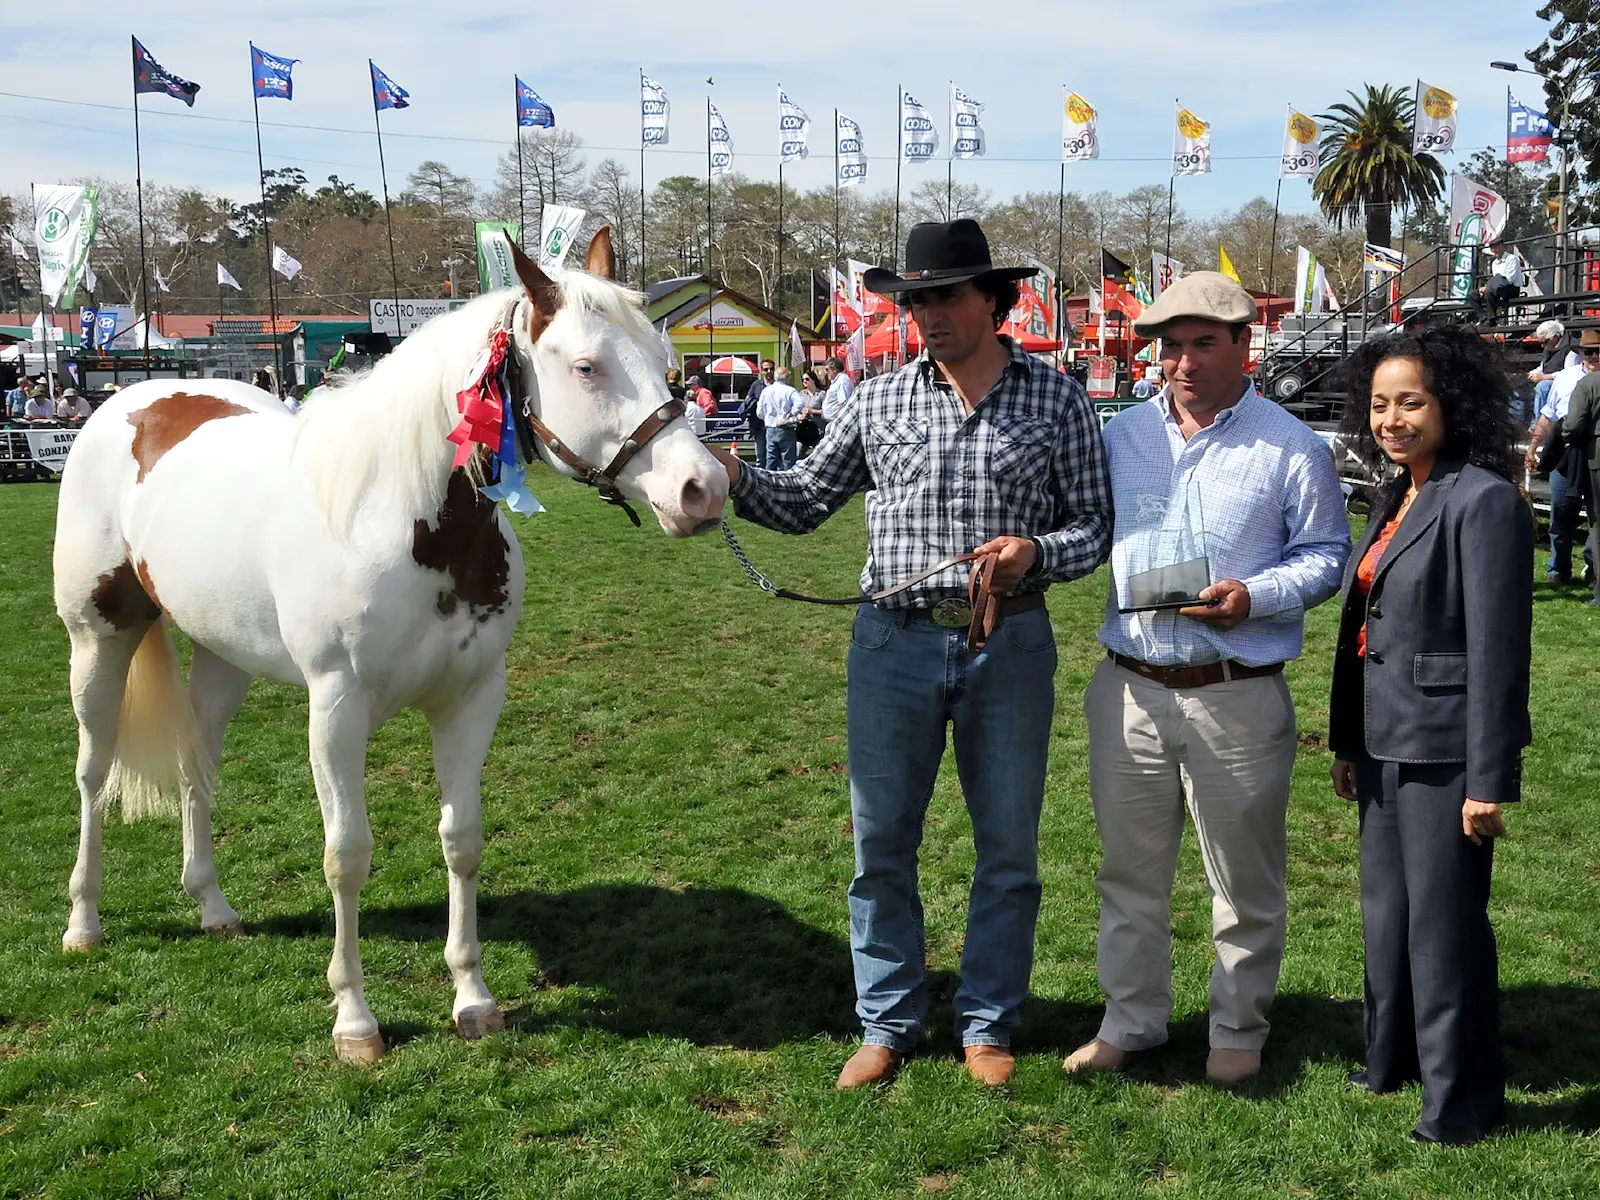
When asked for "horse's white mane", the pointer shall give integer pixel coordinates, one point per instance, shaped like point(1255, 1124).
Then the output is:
point(381, 432)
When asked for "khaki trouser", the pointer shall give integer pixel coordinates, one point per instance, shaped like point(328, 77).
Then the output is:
point(1228, 750)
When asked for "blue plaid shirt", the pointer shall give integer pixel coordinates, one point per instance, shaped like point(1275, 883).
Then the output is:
point(1026, 461)
point(1257, 494)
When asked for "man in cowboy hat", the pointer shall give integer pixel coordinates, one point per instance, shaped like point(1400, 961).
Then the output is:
point(974, 446)
point(1225, 498)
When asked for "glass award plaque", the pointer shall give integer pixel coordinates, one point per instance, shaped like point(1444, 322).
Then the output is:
point(1168, 565)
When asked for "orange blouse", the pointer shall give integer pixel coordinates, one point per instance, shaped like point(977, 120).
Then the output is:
point(1367, 571)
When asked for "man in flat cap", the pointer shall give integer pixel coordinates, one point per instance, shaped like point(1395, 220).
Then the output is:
point(974, 445)
point(1229, 525)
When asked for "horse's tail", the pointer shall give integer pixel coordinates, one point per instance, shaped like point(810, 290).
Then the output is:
point(158, 746)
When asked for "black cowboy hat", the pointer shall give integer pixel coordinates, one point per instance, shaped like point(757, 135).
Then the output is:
point(939, 255)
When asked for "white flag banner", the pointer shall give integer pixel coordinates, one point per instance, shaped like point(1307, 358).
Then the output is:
point(854, 270)
point(1311, 288)
point(1435, 128)
point(91, 281)
point(1477, 218)
point(65, 219)
point(1079, 141)
point(1302, 157)
point(794, 130)
point(18, 250)
point(1163, 270)
point(851, 152)
point(494, 258)
point(855, 352)
point(919, 136)
point(1191, 145)
point(1381, 260)
point(666, 344)
point(284, 263)
point(966, 130)
point(225, 276)
point(161, 281)
point(721, 141)
point(557, 228)
point(654, 111)
point(797, 348)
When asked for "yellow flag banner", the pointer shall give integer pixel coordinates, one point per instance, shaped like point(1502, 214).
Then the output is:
point(1225, 265)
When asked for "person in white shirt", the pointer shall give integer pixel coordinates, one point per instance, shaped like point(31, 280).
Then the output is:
point(71, 406)
point(1505, 281)
point(840, 389)
point(1566, 495)
point(39, 407)
point(780, 408)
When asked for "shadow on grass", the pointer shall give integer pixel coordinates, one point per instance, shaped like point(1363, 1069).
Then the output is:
point(725, 967)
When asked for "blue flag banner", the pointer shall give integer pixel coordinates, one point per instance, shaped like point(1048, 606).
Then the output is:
point(1528, 132)
point(151, 76)
point(386, 93)
point(532, 110)
point(271, 74)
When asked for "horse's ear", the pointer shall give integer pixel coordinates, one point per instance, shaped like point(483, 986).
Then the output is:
point(602, 260)
point(541, 289)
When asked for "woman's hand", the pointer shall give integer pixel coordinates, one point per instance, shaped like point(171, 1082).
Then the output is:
point(1480, 820)
point(1344, 779)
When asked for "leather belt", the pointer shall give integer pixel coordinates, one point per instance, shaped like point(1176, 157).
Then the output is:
point(956, 612)
point(1193, 677)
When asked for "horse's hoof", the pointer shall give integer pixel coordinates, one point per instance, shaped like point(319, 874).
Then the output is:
point(358, 1049)
point(480, 1021)
point(228, 929)
point(80, 943)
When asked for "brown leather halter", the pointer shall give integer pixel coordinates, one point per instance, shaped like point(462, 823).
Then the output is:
point(603, 480)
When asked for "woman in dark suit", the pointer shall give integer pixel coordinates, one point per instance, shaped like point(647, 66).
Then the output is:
point(1429, 713)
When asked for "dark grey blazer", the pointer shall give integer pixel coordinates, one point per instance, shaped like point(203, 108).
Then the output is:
point(1449, 636)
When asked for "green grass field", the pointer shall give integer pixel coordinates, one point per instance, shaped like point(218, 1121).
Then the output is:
point(663, 917)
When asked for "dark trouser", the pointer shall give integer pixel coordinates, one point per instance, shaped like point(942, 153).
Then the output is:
point(1432, 975)
point(1566, 503)
point(758, 430)
point(1496, 294)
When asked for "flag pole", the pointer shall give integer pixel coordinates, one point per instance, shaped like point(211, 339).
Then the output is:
point(777, 282)
point(1061, 220)
point(836, 252)
point(138, 188)
point(1172, 185)
point(950, 162)
point(388, 220)
point(711, 325)
point(899, 153)
point(1272, 251)
point(522, 209)
point(266, 233)
point(642, 277)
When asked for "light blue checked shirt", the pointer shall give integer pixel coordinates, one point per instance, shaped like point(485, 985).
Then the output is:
point(1257, 494)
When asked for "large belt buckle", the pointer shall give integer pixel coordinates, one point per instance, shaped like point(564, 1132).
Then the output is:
point(952, 613)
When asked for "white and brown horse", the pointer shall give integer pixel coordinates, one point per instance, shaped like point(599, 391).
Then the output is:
point(338, 550)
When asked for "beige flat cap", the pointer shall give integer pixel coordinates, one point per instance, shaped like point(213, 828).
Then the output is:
point(1202, 296)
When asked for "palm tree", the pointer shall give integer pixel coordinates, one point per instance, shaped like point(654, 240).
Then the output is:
point(1368, 163)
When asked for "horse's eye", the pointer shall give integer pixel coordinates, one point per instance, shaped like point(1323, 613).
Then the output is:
point(583, 367)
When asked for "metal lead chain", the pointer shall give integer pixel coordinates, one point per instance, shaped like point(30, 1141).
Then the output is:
point(756, 577)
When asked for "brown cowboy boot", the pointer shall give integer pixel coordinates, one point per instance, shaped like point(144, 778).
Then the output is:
point(868, 1065)
point(990, 1065)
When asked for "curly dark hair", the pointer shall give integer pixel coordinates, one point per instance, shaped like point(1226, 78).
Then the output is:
point(1003, 295)
point(1468, 375)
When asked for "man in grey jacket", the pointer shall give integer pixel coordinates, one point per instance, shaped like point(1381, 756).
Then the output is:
point(1580, 427)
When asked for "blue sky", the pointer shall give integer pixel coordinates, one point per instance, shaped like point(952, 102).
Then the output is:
point(1236, 63)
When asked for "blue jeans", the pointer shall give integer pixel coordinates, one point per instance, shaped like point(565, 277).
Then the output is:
point(1566, 501)
point(1541, 391)
point(782, 448)
point(909, 678)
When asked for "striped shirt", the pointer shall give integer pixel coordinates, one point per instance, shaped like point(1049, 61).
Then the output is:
point(1026, 461)
point(1256, 494)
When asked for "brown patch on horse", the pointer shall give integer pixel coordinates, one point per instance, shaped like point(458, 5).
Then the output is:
point(163, 423)
point(602, 259)
point(464, 542)
point(541, 289)
point(119, 597)
point(142, 570)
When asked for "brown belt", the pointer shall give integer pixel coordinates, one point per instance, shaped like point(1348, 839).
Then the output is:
point(1193, 677)
point(956, 613)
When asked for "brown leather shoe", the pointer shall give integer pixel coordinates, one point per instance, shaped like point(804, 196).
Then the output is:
point(1229, 1067)
point(990, 1065)
point(868, 1065)
point(1096, 1056)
